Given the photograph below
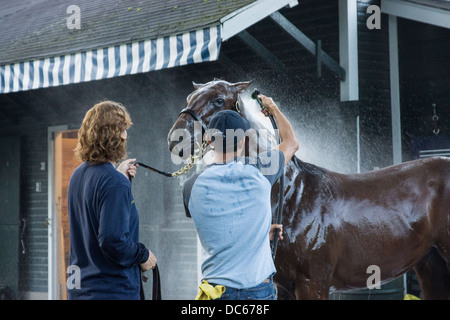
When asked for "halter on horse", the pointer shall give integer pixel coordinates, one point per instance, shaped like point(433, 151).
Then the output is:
point(336, 225)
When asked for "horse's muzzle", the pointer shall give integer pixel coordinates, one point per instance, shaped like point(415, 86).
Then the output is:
point(182, 148)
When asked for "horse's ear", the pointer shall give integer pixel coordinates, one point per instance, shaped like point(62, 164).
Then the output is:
point(242, 86)
point(196, 85)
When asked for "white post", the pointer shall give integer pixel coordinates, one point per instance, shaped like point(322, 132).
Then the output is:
point(358, 146)
point(395, 101)
point(348, 49)
point(395, 91)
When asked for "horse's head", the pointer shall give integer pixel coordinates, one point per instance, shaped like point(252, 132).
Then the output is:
point(202, 104)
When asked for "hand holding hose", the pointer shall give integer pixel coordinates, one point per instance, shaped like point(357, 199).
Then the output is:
point(270, 107)
point(288, 141)
point(276, 229)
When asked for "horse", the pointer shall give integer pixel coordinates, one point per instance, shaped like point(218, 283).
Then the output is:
point(336, 227)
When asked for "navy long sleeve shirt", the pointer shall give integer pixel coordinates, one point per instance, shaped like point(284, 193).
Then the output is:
point(104, 234)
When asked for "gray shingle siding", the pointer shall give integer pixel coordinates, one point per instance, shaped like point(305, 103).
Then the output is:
point(38, 28)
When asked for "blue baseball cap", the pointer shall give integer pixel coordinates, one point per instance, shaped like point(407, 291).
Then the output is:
point(229, 120)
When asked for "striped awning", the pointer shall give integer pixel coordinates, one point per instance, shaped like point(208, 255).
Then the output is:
point(143, 56)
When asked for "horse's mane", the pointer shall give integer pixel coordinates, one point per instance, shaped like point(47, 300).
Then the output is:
point(310, 168)
point(323, 176)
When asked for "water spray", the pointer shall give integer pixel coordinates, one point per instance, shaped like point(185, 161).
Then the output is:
point(254, 96)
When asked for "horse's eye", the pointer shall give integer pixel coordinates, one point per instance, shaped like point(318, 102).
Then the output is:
point(219, 102)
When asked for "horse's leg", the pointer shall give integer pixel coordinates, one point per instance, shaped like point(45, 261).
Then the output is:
point(285, 290)
point(307, 289)
point(434, 276)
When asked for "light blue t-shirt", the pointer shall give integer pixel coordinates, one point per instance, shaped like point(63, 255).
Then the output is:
point(231, 207)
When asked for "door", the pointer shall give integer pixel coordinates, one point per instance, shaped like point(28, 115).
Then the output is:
point(9, 213)
point(65, 163)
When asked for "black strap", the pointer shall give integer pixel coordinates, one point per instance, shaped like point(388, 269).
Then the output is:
point(164, 173)
point(156, 290)
point(141, 289)
point(195, 116)
point(156, 293)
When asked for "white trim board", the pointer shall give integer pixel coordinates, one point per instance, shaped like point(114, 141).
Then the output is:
point(247, 16)
point(348, 49)
point(418, 12)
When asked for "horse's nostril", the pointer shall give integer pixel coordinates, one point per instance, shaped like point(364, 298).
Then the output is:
point(177, 150)
point(172, 145)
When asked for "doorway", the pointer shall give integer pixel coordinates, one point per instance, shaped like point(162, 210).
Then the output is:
point(63, 164)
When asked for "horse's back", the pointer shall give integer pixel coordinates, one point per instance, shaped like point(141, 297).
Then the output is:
point(401, 210)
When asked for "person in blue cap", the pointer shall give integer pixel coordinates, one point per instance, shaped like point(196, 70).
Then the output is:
point(230, 204)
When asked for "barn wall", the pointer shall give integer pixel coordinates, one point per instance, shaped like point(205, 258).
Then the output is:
point(33, 263)
point(33, 253)
point(425, 80)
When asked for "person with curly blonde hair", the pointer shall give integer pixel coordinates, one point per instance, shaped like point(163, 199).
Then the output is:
point(101, 137)
point(103, 219)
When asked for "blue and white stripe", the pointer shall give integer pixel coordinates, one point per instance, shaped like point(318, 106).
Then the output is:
point(166, 52)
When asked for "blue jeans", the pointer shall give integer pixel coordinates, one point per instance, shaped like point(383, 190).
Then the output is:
point(263, 291)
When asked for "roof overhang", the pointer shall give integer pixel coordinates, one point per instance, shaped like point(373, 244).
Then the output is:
point(181, 47)
point(192, 42)
point(431, 12)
